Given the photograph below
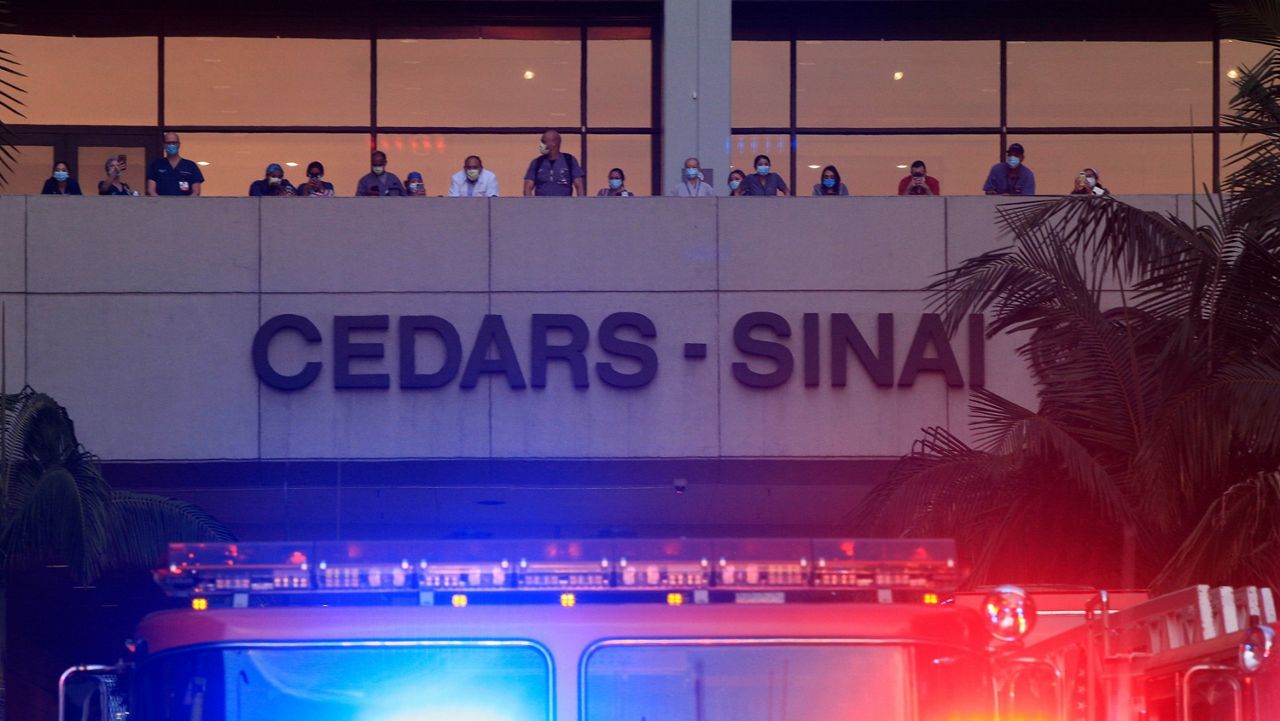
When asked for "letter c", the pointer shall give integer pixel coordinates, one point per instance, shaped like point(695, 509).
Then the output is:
point(262, 344)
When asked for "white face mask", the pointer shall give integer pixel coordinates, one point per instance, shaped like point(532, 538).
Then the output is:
point(1090, 181)
point(274, 181)
point(473, 174)
point(379, 169)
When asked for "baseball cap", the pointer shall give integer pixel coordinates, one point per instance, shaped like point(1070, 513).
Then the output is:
point(1016, 149)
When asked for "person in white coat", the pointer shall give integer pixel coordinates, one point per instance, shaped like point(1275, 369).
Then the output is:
point(473, 181)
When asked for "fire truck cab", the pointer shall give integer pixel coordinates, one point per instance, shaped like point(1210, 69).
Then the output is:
point(680, 630)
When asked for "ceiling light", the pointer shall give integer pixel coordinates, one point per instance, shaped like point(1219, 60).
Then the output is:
point(1233, 73)
point(202, 162)
point(814, 167)
point(898, 75)
point(528, 75)
point(291, 164)
point(902, 167)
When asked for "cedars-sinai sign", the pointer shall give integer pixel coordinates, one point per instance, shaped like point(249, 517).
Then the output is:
point(765, 341)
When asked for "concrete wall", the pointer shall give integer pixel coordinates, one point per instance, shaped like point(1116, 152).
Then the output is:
point(138, 315)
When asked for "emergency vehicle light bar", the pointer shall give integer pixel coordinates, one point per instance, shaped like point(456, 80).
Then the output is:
point(210, 569)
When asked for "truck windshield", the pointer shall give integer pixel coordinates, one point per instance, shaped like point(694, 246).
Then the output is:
point(780, 682)
point(354, 682)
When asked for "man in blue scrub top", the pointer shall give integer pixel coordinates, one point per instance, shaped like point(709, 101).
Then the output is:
point(173, 174)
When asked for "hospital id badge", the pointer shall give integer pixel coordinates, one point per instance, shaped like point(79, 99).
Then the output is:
point(184, 186)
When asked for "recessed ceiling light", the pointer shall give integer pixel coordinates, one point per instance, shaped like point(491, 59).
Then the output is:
point(814, 167)
point(902, 167)
point(898, 75)
point(1233, 73)
point(202, 162)
point(291, 164)
point(528, 75)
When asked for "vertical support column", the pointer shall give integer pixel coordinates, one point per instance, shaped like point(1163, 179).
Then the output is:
point(696, 37)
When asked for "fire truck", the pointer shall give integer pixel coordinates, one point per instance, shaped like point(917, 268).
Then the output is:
point(666, 630)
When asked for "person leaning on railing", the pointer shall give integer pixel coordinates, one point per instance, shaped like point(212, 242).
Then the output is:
point(316, 186)
point(736, 180)
point(830, 184)
point(764, 181)
point(919, 182)
point(61, 182)
point(617, 186)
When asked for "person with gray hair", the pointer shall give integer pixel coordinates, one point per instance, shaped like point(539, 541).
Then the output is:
point(114, 183)
point(691, 183)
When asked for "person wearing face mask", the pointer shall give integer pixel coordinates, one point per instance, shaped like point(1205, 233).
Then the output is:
point(691, 183)
point(114, 183)
point(61, 183)
point(830, 184)
point(1087, 183)
point(764, 182)
point(1011, 177)
point(473, 181)
point(272, 183)
point(919, 182)
point(413, 183)
point(174, 174)
point(736, 180)
point(554, 172)
point(378, 181)
point(617, 186)
point(316, 186)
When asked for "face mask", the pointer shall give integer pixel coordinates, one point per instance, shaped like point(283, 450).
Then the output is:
point(733, 184)
point(691, 173)
point(274, 181)
point(543, 149)
point(1090, 181)
point(473, 175)
point(415, 187)
point(828, 182)
point(762, 169)
point(1013, 161)
point(917, 174)
point(615, 183)
point(379, 169)
point(61, 176)
point(317, 178)
point(171, 149)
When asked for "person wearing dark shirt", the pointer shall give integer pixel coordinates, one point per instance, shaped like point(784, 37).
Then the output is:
point(316, 186)
point(1011, 177)
point(413, 182)
point(736, 180)
point(61, 183)
point(114, 183)
point(919, 182)
point(554, 172)
point(830, 183)
point(764, 182)
point(378, 181)
point(1087, 183)
point(274, 183)
point(174, 174)
point(617, 186)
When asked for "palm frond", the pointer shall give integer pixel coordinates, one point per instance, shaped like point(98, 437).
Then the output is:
point(141, 525)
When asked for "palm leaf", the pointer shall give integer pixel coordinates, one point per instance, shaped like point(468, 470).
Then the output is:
point(140, 526)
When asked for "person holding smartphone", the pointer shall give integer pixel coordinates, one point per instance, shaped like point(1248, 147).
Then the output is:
point(114, 183)
point(919, 182)
point(316, 186)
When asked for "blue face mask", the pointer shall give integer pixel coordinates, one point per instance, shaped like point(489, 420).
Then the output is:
point(171, 149)
point(691, 173)
point(733, 184)
point(828, 182)
point(1013, 161)
point(615, 183)
point(61, 176)
point(762, 169)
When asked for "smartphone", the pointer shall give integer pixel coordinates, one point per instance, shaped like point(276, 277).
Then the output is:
point(122, 159)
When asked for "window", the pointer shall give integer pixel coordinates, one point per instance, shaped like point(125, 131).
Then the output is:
point(34, 166)
point(619, 79)
point(1126, 164)
point(763, 681)
point(266, 81)
point(897, 84)
point(873, 164)
point(438, 157)
point(632, 153)
point(1235, 56)
point(231, 161)
point(1110, 84)
point(361, 683)
point(479, 83)
point(115, 80)
point(761, 82)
